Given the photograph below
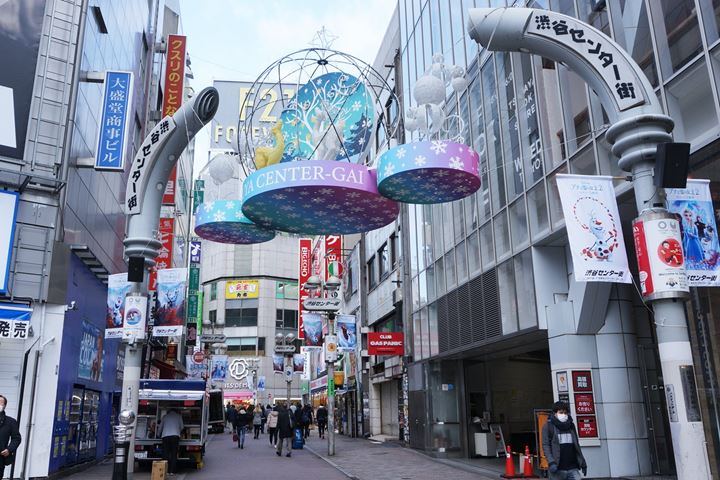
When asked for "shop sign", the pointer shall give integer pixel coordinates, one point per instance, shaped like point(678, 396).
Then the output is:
point(166, 233)
point(242, 289)
point(331, 386)
point(191, 334)
point(8, 212)
point(212, 338)
point(661, 262)
point(171, 352)
point(333, 256)
point(195, 251)
point(14, 321)
point(318, 383)
point(135, 317)
point(386, 343)
point(113, 131)
point(286, 290)
point(582, 385)
point(195, 369)
point(198, 357)
point(173, 96)
point(582, 381)
point(584, 404)
point(304, 273)
point(322, 304)
point(192, 306)
point(671, 402)
point(587, 427)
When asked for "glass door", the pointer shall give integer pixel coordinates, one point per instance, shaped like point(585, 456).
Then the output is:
point(73, 444)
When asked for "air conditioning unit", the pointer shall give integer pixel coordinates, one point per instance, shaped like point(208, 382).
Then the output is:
point(397, 296)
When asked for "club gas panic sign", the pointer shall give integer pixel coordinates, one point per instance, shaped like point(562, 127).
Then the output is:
point(386, 343)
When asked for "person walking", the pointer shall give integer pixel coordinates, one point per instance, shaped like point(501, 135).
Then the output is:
point(272, 424)
point(241, 424)
point(321, 417)
point(307, 419)
point(9, 437)
point(257, 421)
point(265, 412)
point(231, 414)
point(286, 422)
point(171, 427)
point(561, 445)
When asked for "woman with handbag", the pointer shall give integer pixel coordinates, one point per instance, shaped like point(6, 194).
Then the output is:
point(272, 424)
point(257, 421)
point(241, 424)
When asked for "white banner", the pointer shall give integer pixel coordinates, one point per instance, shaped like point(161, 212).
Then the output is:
point(593, 228)
point(169, 317)
point(194, 369)
point(135, 316)
point(699, 232)
point(118, 287)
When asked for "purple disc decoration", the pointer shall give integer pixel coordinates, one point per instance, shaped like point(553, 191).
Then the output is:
point(222, 221)
point(436, 171)
point(317, 197)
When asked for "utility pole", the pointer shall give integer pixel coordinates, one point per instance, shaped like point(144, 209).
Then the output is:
point(331, 359)
point(149, 173)
point(639, 125)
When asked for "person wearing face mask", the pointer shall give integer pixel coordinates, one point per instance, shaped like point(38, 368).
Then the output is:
point(9, 437)
point(561, 446)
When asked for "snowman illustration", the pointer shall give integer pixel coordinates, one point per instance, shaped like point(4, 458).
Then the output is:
point(600, 226)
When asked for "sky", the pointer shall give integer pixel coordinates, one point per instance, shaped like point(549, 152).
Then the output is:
point(237, 39)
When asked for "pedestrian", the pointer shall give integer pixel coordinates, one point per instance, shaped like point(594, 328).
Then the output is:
point(272, 424)
point(171, 427)
point(9, 437)
point(232, 413)
point(257, 422)
point(241, 423)
point(307, 419)
point(321, 417)
point(286, 422)
point(561, 445)
point(265, 412)
point(228, 407)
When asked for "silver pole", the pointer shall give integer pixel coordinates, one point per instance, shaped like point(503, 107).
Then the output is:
point(331, 393)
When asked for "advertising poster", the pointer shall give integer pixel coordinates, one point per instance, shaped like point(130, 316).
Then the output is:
point(21, 24)
point(194, 369)
point(113, 132)
point(135, 316)
point(170, 311)
point(298, 363)
point(91, 353)
point(218, 368)
point(698, 228)
point(261, 383)
point(242, 289)
point(278, 363)
point(118, 288)
point(346, 333)
point(658, 247)
point(304, 273)
point(313, 330)
point(174, 93)
point(593, 228)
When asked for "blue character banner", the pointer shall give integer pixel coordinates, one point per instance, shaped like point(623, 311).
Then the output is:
point(170, 304)
point(118, 288)
point(346, 333)
point(91, 353)
point(698, 227)
point(113, 125)
point(313, 327)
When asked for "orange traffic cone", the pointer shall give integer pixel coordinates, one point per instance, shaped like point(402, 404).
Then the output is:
point(527, 467)
point(509, 465)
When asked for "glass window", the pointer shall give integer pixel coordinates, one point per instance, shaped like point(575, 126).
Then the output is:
point(435, 25)
point(508, 117)
point(372, 277)
point(677, 33)
point(527, 120)
point(487, 246)
point(286, 319)
point(425, 332)
point(241, 317)
point(427, 227)
point(508, 306)
point(473, 252)
point(213, 291)
point(461, 261)
point(556, 213)
point(247, 345)
point(549, 102)
point(458, 220)
point(430, 272)
point(419, 222)
point(465, 116)
point(427, 39)
point(711, 17)
point(212, 316)
point(632, 32)
point(563, 6)
point(448, 228)
point(445, 20)
point(595, 14)
point(575, 109)
point(584, 162)
point(433, 329)
point(417, 337)
point(492, 126)
point(384, 265)
point(687, 98)
point(518, 224)
point(415, 234)
point(458, 34)
point(609, 162)
point(471, 214)
point(451, 269)
point(440, 277)
point(437, 231)
point(502, 235)
point(525, 290)
point(416, 293)
point(537, 211)
point(394, 249)
point(422, 288)
point(480, 146)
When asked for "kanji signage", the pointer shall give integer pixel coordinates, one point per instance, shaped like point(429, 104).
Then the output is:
point(582, 387)
point(598, 51)
point(584, 404)
point(166, 232)
point(242, 289)
point(113, 124)
point(304, 274)
point(333, 256)
point(173, 95)
point(587, 426)
point(14, 321)
point(195, 251)
point(386, 343)
point(582, 381)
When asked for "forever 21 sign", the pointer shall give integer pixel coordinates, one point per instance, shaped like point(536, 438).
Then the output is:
point(386, 343)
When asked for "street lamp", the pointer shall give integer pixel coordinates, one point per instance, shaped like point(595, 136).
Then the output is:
point(282, 342)
point(331, 286)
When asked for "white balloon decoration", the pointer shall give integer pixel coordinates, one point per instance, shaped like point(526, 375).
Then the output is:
point(222, 168)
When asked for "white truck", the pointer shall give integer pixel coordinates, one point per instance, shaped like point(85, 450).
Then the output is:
point(156, 398)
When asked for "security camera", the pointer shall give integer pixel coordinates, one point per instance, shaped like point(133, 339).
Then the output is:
point(71, 306)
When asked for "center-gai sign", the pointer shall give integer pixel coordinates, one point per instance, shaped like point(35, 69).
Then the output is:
point(284, 348)
point(212, 338)
point(386, 343)
point(322, 304)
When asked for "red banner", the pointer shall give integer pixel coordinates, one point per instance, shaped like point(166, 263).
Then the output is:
point(164, 258)
point(173, 95)
point(584, 404)
point(582, 381)
point(386, 343)
point(587, 427)
point(304, 272)
point(333, 256)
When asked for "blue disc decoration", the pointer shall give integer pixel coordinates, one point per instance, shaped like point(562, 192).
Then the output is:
point(222, 221)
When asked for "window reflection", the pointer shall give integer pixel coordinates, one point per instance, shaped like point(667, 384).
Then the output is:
point(506, 289)
point(549, 103)
point(537, 213)
point(575, 109)
point(677, 33)
point(528, 120)
point(492, 132)
point(632, 32)
point(508, 116)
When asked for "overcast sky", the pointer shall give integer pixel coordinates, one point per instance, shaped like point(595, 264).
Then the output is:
point(237, 39)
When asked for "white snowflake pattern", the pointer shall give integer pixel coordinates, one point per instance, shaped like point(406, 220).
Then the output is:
point(326, 191)
point(356, 106)
point(438, 146)
point(389, 170)
point(219, 216)
point(401, 152)
point(279, 196)
point(353, 195)
point(208, 207)
point(420, 160)
point(456, 163)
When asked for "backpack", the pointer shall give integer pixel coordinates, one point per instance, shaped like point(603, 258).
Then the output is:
point(305, 417)
point(272, 421)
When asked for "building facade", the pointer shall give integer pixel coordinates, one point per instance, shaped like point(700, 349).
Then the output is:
point(493, 305)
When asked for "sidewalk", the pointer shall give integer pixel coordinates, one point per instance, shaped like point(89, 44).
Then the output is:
point(362, 459)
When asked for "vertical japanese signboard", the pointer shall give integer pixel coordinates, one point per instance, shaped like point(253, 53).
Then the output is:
point(304, 274)
point(164, 259)
point(114, 121)
point(584, 398)
point(173, 95)
point(333, 256)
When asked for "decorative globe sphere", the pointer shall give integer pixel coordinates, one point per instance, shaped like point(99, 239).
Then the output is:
point(429, 89)
point(221, 168)
point(126, 417)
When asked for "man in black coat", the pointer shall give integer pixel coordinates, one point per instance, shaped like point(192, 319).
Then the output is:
point(286, 423)
point(9, 436)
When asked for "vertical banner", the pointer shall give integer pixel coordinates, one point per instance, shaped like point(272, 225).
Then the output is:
point(333, 256)
point(303, 276)
point(593, 228)
point(166, 232)
point(115, 116)
point(698, 227)
point(91, 353)
point(135, 316)
point(195, 251)
point(261, 383)
point(194, 369)
point(218, 368)
point(313, 331)
point(298, 363)
point(278, 363)
point(173, 95)
point(8, 212)
point(170, 312)
point(346, 333)
point(198, 194)
point(118, 288)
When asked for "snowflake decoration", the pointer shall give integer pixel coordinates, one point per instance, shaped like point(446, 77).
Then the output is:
point(356, 106)
point(219, 216)
point(208, 207)
point(401, 152)
point(456, 163)
point(420, 160)
point(389, 170)
point(279, 196)
point(438, 146)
